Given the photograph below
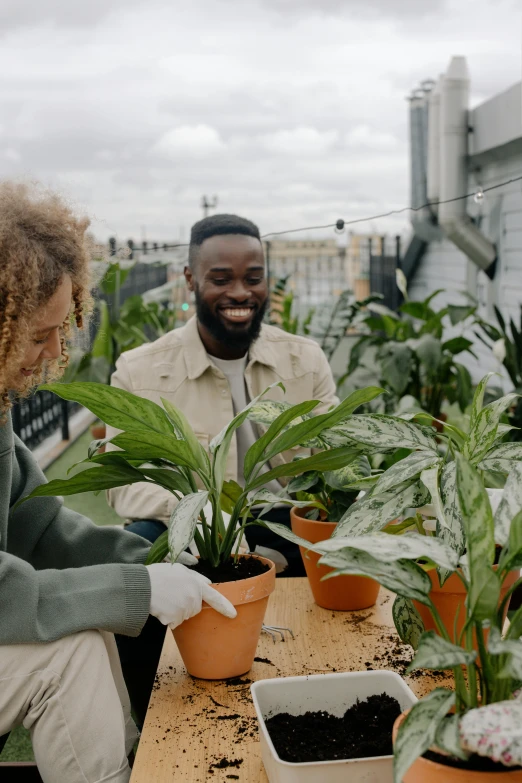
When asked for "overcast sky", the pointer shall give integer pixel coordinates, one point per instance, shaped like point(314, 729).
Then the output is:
point(292, 111)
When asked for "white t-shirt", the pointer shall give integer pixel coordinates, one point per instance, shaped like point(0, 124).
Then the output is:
point(234, 371)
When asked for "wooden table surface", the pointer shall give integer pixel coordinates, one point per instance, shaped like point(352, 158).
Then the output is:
point(199, 731)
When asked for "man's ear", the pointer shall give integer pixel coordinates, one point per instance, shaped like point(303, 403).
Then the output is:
point(189, 277)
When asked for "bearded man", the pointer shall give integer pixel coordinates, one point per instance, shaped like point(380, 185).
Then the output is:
point(215, 364)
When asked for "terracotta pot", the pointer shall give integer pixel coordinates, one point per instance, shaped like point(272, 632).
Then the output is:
point(214, 647)
point(343, 593)
point(448, 598)
point(98, 432)
point(425, 771)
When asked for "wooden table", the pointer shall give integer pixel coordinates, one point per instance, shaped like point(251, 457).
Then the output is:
point(199, 731)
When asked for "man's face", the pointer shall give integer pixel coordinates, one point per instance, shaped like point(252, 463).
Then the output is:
point(230, 288)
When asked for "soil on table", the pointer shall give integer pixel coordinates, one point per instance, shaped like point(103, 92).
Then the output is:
point(365, 730)
point(245, 568)
point(475, 763)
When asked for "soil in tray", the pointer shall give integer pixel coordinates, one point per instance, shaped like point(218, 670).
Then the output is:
point(245, 568)
point(365, 730)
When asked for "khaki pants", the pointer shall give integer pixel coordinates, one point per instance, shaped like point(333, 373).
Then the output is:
point(71, 696)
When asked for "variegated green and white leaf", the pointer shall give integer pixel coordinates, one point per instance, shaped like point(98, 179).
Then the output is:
point(408, 621)
point(476, 514)
point(431, 480)
point(483, 432)
point(448, 738)
point(434, 652)
point(494, 731)
point(303, 482)
point(510, 504)
point(388, 548)
point(408, 468)
point(350, 475)
point(509, 647)
point(263, 496)
point(183, 522)
point(374, 511)
point(382, 433)
point(453, 534)
point(265, 412)
point(478, 399)
point(500, 458)
point(401, 576)
point(289, 535)
point(419, 729)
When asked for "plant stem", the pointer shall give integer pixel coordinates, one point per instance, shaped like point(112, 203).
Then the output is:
point(471, 669)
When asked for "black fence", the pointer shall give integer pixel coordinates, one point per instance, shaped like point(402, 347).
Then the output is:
point(43, 414)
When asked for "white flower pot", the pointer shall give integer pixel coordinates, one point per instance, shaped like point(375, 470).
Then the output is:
point(334, 693)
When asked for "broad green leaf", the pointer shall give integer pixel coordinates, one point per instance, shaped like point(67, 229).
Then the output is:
point(483, 432)
point(374, 511)
point(401, 576)
point(325, 460)
point(288, 534)
point(116, 407)
point(476, 515)
point(180, 422)
point(419, 730)
point(230, 494)
point(303, 482)
point(429, 352)
point(345, 478)
point(396, 366)
point(257, 453)
point(92, 480)
point(159, 550)
point(318, 424)
point(388, 433)
point(458, 313)
point(102, 347)
point(510, 504)
point(155, 446)
point(183, 522)
point(434, 652)
point(408, 468)
point(494, 731)
point(511, 557)
point(448, 738)
point(388, 548)
point(408, 621)
point(265, 496)
point(169, 479)
point(456, 345)
point(219, 446)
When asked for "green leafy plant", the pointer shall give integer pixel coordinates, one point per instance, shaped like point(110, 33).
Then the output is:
point(158, 446)
point(410, 356)
point(506, 345)
point(486, 717)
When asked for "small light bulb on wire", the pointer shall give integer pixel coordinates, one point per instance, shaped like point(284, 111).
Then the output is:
point(478, 198)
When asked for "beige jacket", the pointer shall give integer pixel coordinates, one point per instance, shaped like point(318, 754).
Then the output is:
point(177, 368)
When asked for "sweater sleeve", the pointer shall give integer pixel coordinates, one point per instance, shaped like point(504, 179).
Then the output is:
point(61, 573)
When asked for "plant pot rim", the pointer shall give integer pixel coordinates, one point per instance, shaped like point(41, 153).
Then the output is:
point(248, 578)
point(300, 512)
point(259, 684)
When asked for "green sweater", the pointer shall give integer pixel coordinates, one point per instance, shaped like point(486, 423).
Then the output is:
point(59, 572)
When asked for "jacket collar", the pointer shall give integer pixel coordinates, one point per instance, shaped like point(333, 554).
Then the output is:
point(196, 357)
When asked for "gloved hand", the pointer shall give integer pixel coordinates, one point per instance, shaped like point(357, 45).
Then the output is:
point(177, 594)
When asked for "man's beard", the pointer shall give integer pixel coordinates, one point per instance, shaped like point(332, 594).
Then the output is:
point(241, 339)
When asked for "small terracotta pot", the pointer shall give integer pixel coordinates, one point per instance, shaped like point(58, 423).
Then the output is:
point(214, 647)
point(448, 598)
point(99, 432)
point(425, 771)
point(344, 593)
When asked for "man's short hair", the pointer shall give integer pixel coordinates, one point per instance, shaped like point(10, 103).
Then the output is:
point(219, 225)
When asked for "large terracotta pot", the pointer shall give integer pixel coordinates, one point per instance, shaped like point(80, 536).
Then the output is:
point(214, 647)
point(448, 598)
point(425, 771)
point(343, 593)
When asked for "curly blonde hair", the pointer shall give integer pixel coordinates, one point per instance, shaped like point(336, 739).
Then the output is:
point(41, 240)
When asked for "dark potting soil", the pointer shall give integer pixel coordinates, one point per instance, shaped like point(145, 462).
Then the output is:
point(245, 568)
point(365, 730)
point(475, 763)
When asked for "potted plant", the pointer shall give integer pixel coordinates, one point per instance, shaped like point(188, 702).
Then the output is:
point(476, 730)
point(330, 727)
point(428, 476)
point(157, 445)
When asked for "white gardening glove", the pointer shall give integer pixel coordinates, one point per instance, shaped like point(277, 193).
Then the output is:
point(177, 594)
point(243, 547)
